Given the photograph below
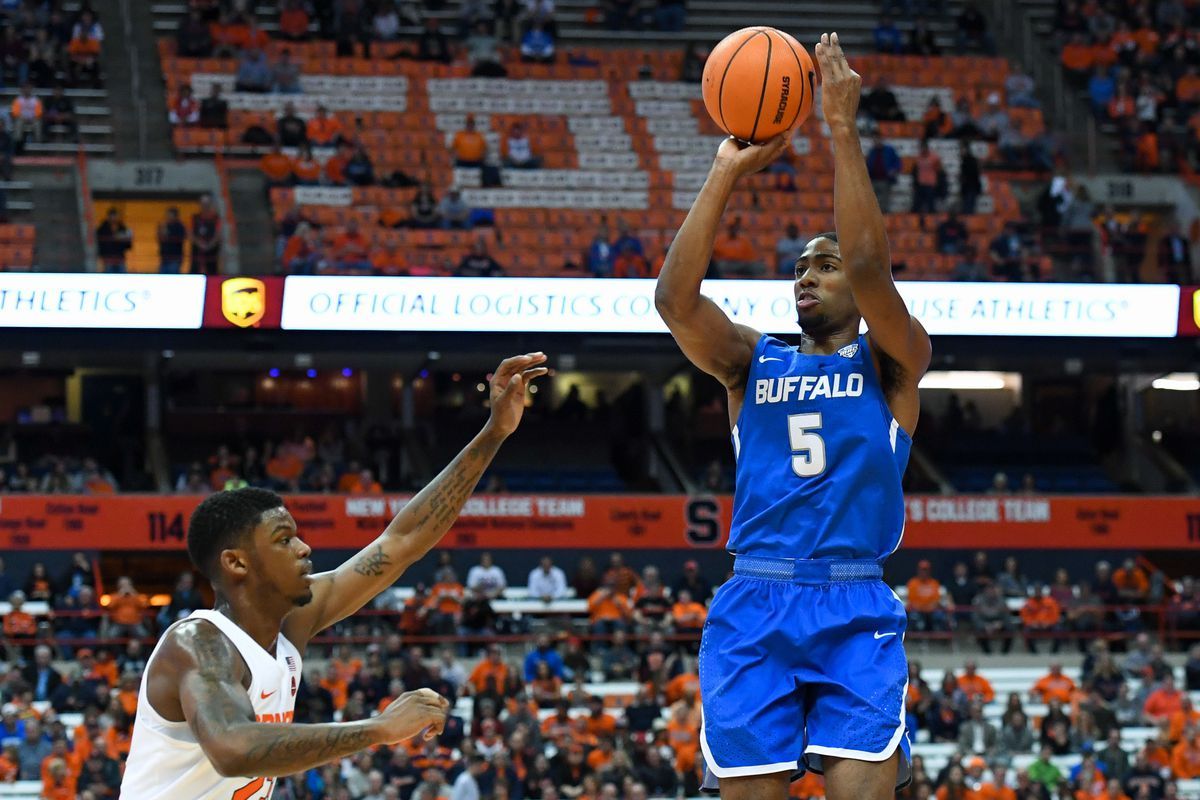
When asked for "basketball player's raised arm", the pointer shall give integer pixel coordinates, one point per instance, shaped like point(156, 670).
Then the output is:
point(862, 237)
point(422, 522)
point(206, 668)
point(709, 339)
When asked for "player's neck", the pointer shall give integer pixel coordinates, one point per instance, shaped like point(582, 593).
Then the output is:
point(260, 623)
point(828, 342)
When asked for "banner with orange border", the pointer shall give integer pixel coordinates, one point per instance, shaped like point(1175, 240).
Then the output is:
point(548, 522)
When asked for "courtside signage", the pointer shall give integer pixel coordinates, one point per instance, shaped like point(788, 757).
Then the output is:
point(58, 300)
point(584, 305)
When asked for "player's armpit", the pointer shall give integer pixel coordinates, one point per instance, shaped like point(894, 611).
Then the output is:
point(220, 716)
point(711, 341)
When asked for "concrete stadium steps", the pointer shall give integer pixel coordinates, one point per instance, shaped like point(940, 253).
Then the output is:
point(93, 117)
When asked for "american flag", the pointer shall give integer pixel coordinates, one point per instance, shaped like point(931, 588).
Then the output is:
point(291, 662)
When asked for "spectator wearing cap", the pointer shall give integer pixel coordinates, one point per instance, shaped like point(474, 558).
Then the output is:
point(692, 581)
point(926, 609)
point(545, 651)
point(547, 581)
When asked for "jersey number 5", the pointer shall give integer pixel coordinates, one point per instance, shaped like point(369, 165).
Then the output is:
point(808, 448)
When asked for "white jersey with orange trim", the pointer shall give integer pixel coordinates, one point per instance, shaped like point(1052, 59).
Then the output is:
point(165, 760)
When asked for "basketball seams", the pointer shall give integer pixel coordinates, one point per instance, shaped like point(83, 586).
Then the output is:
point(728, 66)
point(803, 88)
point(763, 92)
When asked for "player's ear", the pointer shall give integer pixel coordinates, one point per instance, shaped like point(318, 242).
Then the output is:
point(234, 561)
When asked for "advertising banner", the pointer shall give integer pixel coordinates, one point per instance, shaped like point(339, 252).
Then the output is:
point(582, 305)
point(57, 300)
point(618, 522)
point(1189, 311)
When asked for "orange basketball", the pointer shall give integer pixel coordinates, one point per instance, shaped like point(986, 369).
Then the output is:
point(758, 82)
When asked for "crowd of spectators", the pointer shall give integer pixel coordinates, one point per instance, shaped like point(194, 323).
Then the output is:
point(43, 47)
point(53, 474)
point(1139, 63)
point(532, 725)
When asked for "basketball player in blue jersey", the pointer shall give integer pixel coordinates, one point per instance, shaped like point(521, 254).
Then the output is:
point(802, 661)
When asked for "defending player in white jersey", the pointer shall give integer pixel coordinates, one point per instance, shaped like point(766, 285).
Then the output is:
point(213, 719)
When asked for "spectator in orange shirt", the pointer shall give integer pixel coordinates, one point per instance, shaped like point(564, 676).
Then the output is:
point(126, 609)
point(84, 49)
point(1146, 152)
point(306, 170)
point(734, 256)
point(469, 145)
point(1078, 56)
point(364, 483)
point(600, 723)
point(608, 610)
point(1180, 721)
point(928, 179)
point(445, 603)
point(601, 756)
point(1041, 615)
point(18, 624)
point(1054, 686)
point(975, 685)
point(57, 781)
point(622, 577)
point(926, 609)
point(284, 467)
point(1131, 581)
point(687, 615)
point(26, 111)
point(293, 21)
point(1163, 701)
point(351, 253)
point(277, 166)
point(1187, 88)
point(335, 165)
point(324, 130)
point(388, 260)
point(1185, 758)
point(491, 669)
point(336, 685)
point(10, 764)
point(119, 736)
point(684, 739)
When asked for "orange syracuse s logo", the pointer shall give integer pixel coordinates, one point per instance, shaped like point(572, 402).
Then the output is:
point(243, 301)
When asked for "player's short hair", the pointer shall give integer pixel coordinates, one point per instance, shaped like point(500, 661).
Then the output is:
point(830, 235)
point(224, 520)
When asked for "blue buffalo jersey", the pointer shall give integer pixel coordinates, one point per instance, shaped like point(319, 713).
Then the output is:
point(819, 457)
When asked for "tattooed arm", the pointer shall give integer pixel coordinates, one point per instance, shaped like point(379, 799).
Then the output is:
point(422, 523)
point(200, 670)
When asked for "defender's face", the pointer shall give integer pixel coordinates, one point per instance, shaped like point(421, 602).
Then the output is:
point(823, 298)
point(281, 557)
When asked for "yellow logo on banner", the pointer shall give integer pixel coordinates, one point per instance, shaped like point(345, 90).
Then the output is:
point(243, 301)
point(1196, 307)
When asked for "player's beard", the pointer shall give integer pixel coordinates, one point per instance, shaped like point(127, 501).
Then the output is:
point(303, 600)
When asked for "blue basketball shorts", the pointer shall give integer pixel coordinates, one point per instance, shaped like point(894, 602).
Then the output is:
point(800, 660)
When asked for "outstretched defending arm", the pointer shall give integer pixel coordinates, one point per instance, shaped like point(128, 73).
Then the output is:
point(422, 523)
point(862, 237)
point(709, 339)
